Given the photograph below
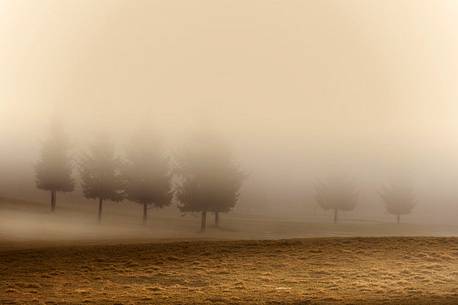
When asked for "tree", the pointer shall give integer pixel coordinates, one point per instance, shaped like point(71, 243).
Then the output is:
point(100, 174)
point(209, 179)
point(54, 169)
point(337, 194)
point(147, 174)
point(398, 200)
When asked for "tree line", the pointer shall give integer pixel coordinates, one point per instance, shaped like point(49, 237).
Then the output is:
point(338, 194)
point(203, 178)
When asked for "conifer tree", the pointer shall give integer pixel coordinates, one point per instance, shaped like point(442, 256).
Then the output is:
point(100, 174)
point(209, 179)
point(147, 173)
point(54, 169)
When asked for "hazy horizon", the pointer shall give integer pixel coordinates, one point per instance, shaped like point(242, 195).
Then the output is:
point(300, 89)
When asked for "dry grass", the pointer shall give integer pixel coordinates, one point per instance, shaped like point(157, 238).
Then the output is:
point(308, 271)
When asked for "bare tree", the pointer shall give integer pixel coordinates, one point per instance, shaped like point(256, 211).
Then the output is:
point(209, 179)
point(54, 169)
point(100, 174)
point(336, 194)
point(147, 173)
point(399, 200)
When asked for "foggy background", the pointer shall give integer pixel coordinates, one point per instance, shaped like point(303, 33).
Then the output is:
point(300, 89)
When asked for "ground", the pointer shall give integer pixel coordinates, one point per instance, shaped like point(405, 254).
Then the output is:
point(390, 270)
point(67, 258)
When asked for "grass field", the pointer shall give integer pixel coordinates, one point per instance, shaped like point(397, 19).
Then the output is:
point(67, 258)
point(25, 224)
point(304, 271)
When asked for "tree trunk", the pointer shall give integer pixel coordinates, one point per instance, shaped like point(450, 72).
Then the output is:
point(53, 201)
point(398, 219)
point(99, 218)
point(203, 224)
point(335, 215)
point(217, 218)
point(145, 213)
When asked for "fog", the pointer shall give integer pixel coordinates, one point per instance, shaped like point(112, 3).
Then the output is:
point(301, 90)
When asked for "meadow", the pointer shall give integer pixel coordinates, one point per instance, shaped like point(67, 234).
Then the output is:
point(390, 270)
point(66, 258)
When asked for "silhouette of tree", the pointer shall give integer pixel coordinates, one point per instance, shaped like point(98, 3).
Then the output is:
point(398, 200)
point(336, 194)
point(147, 174)
point(209, 179)
point(54, 169)
point(100, 174)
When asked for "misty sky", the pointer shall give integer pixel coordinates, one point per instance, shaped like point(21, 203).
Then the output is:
point(299, 88)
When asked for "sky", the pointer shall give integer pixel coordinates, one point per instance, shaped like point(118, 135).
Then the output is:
point(301, 89)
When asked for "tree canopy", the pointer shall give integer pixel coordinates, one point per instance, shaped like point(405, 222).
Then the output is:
point(100, 172)
point(209, 180)
point(147, 173)
point(54, 169)
point(399, 200)
point(336, 194)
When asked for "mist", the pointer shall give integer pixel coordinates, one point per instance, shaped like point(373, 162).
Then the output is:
point(301, 91)
point(228, 152)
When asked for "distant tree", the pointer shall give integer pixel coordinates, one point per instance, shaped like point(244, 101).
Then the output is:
point(209, 179)
point(54, 169)
point(398, 200)
point(336, 194)
point(147, 174)
point(100, 174)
